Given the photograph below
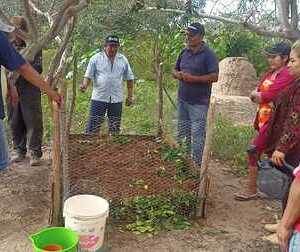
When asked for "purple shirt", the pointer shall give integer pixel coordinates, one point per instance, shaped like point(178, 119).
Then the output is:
point(10, 59)
point(200, 63)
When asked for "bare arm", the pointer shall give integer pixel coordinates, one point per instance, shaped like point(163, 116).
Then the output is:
point(85, 84)
point(87, 81)
point(130, 88)
point(176, 74)
point(32, 76)
point(129, 100)
point(290, 216)
point(207, 78)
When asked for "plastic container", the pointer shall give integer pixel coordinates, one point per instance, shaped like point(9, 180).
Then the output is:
point(86, 215)
point(55, 239)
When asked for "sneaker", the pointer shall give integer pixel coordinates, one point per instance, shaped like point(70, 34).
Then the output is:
point(35, 161)
point(19, 158)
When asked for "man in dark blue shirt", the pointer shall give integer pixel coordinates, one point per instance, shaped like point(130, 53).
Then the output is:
point(12, 60)
point(196, 69)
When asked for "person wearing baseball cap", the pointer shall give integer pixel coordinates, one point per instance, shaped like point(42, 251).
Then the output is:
point(280, 48)
point(269, 88)
point(107, 70)
point(24, 106)
point(196, 69)
point(13, 61)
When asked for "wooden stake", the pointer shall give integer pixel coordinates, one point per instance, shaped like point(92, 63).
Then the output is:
point(57, 173)
point(59, 147)
point(159, 81)
point(205, 180)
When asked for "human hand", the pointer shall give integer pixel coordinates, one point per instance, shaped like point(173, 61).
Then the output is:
point(255, 97)
point(13, 96)
point(177, 74)
point(278, 158)
point(83, 87)
point(283, 235)
point(187, 77)
point(129, 101)
point(55, 96)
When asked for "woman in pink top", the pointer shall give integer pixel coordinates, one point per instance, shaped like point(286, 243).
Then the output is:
point(269, 88)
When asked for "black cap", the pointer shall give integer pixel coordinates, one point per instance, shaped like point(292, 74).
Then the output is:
point(112, 39)
point(281, 48)
point(196, 28)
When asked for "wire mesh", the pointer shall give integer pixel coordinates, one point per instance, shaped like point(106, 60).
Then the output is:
point(121, 163)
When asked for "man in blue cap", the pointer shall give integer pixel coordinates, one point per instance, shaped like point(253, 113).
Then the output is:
point(196, 69)
point(13, 61)
point(107, 70)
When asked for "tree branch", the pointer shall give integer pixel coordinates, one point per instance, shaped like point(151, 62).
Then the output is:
point(289, 34)
point(61, 50)
point(69, 10)
point(41, 13)
point(31, 26)
point(45, 15)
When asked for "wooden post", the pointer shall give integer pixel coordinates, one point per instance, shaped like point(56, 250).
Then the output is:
point(59, 136)
point(74, 93)
point(160, 99)
point(159, 82)
point(204, 177)
point(56, 191)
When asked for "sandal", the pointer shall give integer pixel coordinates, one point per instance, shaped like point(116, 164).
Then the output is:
point(245, 196)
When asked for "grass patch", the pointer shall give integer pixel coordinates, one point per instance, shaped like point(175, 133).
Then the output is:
point(230, 143)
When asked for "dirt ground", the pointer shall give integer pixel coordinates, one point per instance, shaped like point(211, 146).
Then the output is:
point(229, 226)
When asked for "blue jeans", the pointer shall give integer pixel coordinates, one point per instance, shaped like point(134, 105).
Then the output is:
point(98, 110)
point(3, 147)
point(294, 244)
point(191, 128)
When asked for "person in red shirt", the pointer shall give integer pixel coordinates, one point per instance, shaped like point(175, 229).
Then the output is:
point(269, 88)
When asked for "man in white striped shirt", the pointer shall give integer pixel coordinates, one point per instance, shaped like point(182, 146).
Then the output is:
point(107, 70)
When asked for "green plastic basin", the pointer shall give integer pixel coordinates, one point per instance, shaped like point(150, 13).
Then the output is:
point(64, 239)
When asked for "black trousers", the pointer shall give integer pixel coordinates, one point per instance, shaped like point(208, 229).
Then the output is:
point(26, 120)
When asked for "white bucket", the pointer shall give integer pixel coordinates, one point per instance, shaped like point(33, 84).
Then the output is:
point(86, 215)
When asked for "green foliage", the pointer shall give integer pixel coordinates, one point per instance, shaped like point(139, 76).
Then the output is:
point(233, 41)
point(179, 155)
point(231, 142)
point(172, 154)
point(152, 214)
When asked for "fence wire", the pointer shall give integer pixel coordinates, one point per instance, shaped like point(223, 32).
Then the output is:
point(121, 163)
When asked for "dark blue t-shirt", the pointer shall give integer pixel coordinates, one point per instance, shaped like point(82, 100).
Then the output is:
point(10, 59)
point(200, 63)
